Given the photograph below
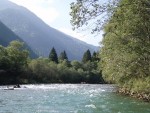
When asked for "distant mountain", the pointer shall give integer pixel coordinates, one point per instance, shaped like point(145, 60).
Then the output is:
point(6, 36)
point(38, 35)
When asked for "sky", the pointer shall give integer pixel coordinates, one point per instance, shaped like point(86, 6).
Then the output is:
point(55, 13)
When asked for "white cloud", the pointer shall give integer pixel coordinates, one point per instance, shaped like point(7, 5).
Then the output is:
point(42, 8)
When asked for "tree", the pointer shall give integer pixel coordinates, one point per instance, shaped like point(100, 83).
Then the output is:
point(95, 57)
point(93, 14)
point(125, 55)
point(86, 56)
point(4, 60)
point(17, 56)
point(76, 65)
point(126, 51)
point(126, 47)
point(13, 62)
point(63, 56)
point(53, 55)
point(42, 71)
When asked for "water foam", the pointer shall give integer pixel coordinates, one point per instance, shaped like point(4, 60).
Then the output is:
point(90, 106)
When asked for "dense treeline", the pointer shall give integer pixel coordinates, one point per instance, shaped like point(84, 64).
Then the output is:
point(16, 67)
point(125, 53)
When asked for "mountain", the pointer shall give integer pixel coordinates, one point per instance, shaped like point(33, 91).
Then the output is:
point(6, 36)
point(38, 35)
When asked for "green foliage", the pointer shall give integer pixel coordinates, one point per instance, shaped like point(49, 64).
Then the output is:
point(17, 56)
point(76, 65)
point(13, 58)
point(126, 51)
point(93, 14)
point(4, 60)
point(63, 56)
point(16, 67)
point(95, 57)
point(53, 55)
point(86, 56)
point(42, 71)
point(63, 59)
point(13, 61)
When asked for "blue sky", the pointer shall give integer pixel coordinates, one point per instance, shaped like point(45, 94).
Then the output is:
point(56, 14)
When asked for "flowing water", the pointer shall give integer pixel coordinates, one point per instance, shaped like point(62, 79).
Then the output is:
point(68, 98)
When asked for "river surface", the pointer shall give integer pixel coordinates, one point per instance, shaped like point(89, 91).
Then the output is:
point(68, 98)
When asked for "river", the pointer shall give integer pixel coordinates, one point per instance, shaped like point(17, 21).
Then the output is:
point(68, 98)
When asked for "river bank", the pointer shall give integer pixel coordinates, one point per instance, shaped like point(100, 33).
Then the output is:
point(139, 95)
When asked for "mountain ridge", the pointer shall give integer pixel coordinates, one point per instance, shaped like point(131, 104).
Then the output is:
point(6, 36)
point(39, 35)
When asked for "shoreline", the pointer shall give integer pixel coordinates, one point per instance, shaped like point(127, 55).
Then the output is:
point(141, 96)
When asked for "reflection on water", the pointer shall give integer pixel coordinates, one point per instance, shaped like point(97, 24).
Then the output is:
point(68, 98)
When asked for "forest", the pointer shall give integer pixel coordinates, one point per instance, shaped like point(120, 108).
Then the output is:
point(16, 67)
point(125, 52)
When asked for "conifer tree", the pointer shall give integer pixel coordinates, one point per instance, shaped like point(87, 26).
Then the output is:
point(53, 55)
point(63, 56)
point(95, 57)
point(86, 56)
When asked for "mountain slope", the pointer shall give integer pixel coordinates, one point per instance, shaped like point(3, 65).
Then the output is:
point(6, 36)
point(38, 35)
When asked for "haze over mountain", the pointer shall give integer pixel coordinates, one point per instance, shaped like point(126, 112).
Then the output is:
point(6, 36)
point(38, 35)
